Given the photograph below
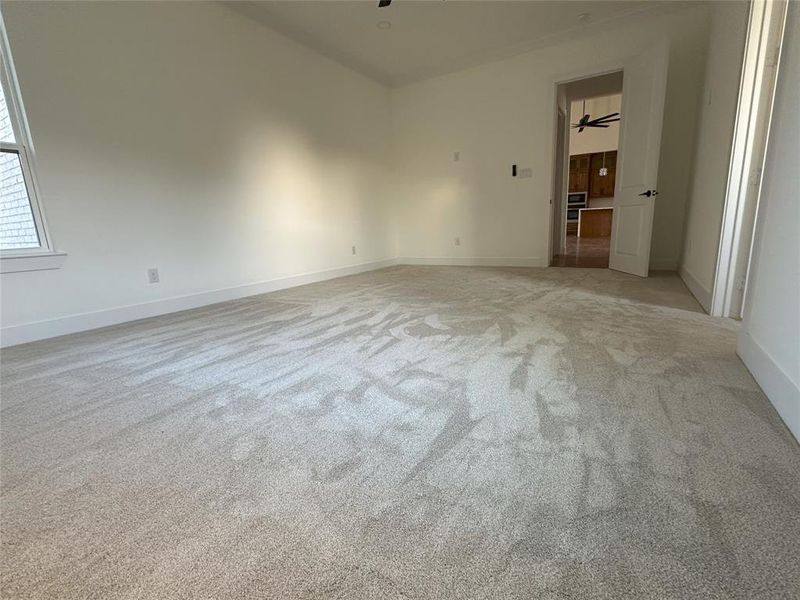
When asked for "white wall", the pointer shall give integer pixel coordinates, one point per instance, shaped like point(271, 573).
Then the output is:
point(236, 160)
point(714, 135)
point(769, 340)
point(501, 113)
point(187, 137)
point(594, 139)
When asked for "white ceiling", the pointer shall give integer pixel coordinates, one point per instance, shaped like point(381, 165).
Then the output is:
point(432, 37)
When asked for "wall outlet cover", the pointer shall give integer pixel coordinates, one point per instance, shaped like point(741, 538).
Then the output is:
point(152, 276)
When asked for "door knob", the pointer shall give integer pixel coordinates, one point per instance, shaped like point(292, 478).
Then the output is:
point(649, 193)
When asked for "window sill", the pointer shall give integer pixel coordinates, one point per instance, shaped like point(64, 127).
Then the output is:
point(42, 261)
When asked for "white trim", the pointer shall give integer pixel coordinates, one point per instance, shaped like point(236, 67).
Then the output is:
point(697, 289)
point(557, 235)
point(33, 261)
point(748, 151)
point(39, 330)
point(779, 388)
point(473, 261)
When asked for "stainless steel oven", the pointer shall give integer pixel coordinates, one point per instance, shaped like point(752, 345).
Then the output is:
point(575, 201)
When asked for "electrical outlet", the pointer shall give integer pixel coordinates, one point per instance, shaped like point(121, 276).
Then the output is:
point(354, 250)
point(152, 276)
point(740, 284)
point(526, 173)
point(456, 156)
point(458, 241)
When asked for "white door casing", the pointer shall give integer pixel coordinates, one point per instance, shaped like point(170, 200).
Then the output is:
point(643, 90)
point(558, 213)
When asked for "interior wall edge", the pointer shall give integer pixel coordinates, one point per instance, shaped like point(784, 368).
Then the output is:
point(777, 385)
point(701, 293)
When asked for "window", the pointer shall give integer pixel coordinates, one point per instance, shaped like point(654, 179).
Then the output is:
point(24, 242)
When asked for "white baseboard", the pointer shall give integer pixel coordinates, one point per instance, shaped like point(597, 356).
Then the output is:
point(697, 289)
point(39, 330)
point(473, 261)
point(781, 391)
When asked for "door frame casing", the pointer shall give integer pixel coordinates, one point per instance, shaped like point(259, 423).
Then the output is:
point(586, 72)
point(558, 239)
point(760, 62)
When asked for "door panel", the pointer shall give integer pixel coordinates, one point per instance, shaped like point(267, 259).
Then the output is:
point(630, 218)
point(643, 90)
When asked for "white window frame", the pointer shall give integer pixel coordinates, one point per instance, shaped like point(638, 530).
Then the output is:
point(45, 256)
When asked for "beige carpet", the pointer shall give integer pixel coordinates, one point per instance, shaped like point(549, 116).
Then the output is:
point(407, 433)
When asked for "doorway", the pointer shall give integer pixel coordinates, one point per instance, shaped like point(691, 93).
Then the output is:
point(587, 144)
point(643, 91)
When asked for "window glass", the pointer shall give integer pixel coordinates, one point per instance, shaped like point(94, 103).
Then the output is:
point(17, 226)
point(6, 130)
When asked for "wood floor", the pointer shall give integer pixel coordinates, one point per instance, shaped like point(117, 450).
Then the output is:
point(591, 253)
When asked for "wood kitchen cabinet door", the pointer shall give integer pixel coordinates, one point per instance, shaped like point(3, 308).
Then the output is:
point(579, 173)
point(602, 186)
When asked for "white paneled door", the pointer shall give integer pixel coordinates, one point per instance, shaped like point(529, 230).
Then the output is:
point(643, 89)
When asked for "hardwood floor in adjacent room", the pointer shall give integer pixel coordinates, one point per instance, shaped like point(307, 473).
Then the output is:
point(584, 252)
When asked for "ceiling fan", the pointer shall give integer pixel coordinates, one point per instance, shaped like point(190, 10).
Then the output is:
point(587, 121)
point(384, 3)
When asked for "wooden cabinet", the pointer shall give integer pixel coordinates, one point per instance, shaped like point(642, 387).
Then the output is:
point(579, 173)
point(595, 222)
point(602, 186)
point(584, 174)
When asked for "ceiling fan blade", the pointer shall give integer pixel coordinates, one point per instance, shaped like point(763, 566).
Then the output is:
point(597, 125)
point(605, 118)
point(384, 3)
point(598, 121)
